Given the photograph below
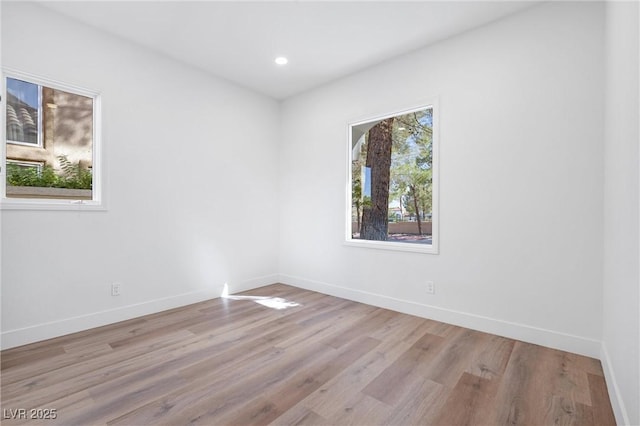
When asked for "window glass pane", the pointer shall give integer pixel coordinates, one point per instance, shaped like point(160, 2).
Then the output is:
point(66, 150)
point(392, 179)
point(22, 111)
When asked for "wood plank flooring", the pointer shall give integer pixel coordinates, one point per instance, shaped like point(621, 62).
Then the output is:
point(327, 361)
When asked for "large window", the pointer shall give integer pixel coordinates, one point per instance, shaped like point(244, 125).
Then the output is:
point(51, 149)
point(392, 194)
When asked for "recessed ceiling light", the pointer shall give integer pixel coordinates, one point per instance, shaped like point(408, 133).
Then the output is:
point(281, 60)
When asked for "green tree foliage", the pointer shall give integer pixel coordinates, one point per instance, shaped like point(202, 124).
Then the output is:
point(71, 176)
point(411, 164)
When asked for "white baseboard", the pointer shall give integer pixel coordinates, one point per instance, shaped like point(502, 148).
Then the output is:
point(617, 403)
point(43, 331)
point(529, 334)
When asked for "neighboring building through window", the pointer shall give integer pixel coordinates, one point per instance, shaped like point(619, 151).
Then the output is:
point(23, 112)
point(51, 142)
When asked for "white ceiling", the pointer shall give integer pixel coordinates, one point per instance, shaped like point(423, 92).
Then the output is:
point(324, 40)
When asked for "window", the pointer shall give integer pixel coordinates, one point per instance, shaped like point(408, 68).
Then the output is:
point(25, 166)
point(51, 149)
point(23, 112)
point(392, 191)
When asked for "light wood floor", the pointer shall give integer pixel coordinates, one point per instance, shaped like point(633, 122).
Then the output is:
point(327, 361)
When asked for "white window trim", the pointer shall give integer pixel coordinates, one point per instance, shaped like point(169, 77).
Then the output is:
point(97, 202)
point(392, 245)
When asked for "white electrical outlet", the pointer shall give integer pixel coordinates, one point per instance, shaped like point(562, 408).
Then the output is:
point(431, 287)
point(115, 289)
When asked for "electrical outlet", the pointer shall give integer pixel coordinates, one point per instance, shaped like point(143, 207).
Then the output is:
point(115, 289)
point(431, 287)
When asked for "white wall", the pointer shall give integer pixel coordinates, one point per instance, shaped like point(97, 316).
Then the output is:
point(191, 167)
point(621, 297)
point(521, 180)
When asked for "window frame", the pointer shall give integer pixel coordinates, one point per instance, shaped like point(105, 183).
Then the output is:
point(97, 188)
point(432, 248)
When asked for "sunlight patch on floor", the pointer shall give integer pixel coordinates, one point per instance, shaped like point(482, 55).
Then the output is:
point(269, 302)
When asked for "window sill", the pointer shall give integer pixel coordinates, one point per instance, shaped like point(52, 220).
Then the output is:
point(393, 246)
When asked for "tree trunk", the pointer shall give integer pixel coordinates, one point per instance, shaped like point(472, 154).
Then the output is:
point(375, 218)
point(414, 194)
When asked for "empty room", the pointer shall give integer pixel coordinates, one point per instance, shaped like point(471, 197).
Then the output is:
point(320, 212)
